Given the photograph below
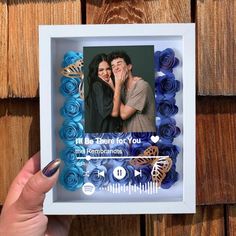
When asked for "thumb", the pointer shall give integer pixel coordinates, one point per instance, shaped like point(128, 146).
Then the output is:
point(33, 194)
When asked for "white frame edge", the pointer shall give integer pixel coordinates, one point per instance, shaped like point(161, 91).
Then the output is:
point(187, 31)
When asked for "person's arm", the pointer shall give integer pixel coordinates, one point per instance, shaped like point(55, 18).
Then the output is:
point(22, 212)
point(136, 102)
point(126, 111)
point(116, 101)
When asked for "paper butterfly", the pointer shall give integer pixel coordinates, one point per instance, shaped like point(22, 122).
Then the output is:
point(76, 71)
point(160, 165)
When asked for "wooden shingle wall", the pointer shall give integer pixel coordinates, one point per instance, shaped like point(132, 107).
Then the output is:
point(216, 102)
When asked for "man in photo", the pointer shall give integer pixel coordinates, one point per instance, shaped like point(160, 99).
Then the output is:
point(133, 95)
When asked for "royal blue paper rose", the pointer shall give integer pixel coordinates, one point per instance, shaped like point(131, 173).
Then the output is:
point(70, 87)
point(98, 176)
point(165, 60)
point(167, 130)
point(71, 57)
point(137, 149)
point(145, 175)
point(123, 136)
point(96, 150)
point(129, 175)
point(167, 85)
point(70, 131)
point(71, 157)
point(72, 178)
point(96, 136)
point(119, 150)
point(73, 109)
point(171, 177)
point(99, 151)
point(166, 108)
point(143, 136)
point(169, 150)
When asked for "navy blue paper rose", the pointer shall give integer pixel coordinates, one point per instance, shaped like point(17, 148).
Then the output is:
point(144, 176)
point(72, 178)
point(70, 131)
point(70, 58)
point(71, 157)
point(98, 176)
point(73, 109)
point(128, 178)
point(169, 150)
point(165, 60)
point(167, 130)
point(167, 85)
point(166, 108)
point(70, 87)
point(171, 177)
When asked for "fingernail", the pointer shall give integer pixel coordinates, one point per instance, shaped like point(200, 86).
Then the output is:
point(51, 168)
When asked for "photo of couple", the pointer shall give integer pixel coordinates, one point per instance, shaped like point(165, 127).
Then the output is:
point(116, 100)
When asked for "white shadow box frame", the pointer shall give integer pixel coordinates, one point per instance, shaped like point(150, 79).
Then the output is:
point(54, 42)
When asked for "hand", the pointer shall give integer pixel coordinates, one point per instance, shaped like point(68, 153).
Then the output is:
point(22, 212)
point(121, 76)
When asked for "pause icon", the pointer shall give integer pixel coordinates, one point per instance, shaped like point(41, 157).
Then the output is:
point(119, 172)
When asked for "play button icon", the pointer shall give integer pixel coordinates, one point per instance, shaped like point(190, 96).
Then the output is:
point(136, 173)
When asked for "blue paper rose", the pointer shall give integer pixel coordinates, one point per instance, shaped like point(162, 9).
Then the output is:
point(72, 178)
point(144, 176)
point(71, 57)
point(70, 87)
point(70, 156)
point(137, 149)
point(166, 108)
point(70, 131)
point(169, 150)
point(98, 176)
point(167, 86)
point(94, 136)
point(143, 136)
point(167, 130)
point(119, 150)
point(123, 136)
point(171, 177)
point(165, 60)
point(128, 178)
point(73, 109)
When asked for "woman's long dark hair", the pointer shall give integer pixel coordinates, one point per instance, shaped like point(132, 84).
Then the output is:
point(93, 72)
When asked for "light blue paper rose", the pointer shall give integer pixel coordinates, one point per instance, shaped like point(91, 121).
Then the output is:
point(70, 87)
point(71, 157)
point(73, 109)
point(72, 178)
point(71, 57)
point(70, 131)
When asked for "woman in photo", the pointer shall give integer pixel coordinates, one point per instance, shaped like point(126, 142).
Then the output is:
point(101, 109)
